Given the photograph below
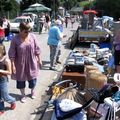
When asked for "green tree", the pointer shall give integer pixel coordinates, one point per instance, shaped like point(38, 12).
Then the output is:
point(68, 4)
point(109, 7)
point(5, 6)
point(26, 3)
point(49, 3)
point(15, 8)
point(9, 8)
point(53, 4)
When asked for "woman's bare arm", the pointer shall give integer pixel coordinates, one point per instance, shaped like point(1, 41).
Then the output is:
point(8, 70)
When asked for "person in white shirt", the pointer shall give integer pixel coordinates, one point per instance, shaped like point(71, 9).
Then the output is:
point(72, 21)
point(6, 26)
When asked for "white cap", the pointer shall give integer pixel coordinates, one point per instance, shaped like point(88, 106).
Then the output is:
point(58, 22)
point(117, 77)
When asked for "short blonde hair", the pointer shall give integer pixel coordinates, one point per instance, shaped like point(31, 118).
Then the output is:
point(24, 26)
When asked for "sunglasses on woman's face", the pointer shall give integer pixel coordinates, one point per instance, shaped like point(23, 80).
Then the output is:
point(26, 31)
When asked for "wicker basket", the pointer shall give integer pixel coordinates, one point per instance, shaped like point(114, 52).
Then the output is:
point(90, 67)
point(88, 74)
point(96, 80)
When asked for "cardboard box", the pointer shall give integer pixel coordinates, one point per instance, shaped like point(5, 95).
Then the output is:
point(76, 76)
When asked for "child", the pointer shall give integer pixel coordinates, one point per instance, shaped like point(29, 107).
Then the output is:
point(5, 70)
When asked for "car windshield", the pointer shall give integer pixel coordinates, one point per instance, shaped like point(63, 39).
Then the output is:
point(19, 20)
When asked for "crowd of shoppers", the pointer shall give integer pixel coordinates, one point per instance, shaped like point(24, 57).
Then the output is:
point(24, 65)
point(24, 60)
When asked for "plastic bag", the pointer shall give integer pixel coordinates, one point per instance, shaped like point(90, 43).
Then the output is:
point(60, 114)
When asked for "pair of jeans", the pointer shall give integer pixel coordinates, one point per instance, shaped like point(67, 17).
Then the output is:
point(4, 91)
point(1, 40)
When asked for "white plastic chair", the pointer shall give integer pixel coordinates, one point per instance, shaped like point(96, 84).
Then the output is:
point(113, 106)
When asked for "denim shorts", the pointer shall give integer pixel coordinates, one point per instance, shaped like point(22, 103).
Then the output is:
point(22, 84)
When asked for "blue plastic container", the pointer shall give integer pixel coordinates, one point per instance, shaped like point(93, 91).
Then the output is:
point(10, 36)
point(105, 45)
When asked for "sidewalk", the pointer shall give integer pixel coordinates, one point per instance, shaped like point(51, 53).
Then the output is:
point(26, 111)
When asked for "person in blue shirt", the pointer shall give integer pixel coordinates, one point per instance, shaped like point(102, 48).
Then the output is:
point(54, 40)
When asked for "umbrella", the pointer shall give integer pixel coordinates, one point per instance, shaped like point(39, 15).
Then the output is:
point(36, 5)
point(90, 11)
point(37, 9)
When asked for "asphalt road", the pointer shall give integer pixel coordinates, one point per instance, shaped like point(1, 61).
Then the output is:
point(26, 111)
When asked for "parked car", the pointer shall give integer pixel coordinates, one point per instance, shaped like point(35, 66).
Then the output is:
point(32, 15)
point(14, 26)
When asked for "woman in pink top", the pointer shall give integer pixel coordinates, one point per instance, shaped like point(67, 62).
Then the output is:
point(24, 53)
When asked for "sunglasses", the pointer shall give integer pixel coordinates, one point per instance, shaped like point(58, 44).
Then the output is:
point(26, 31)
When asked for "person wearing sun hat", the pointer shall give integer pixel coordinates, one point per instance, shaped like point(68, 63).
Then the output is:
point(54, 40)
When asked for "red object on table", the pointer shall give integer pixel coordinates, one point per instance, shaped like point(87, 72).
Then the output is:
point(90, 11)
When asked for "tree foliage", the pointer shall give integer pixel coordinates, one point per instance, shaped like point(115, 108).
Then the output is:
point(53, 4)
point(109, 7)
point(9, 6)
point(26, 3)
